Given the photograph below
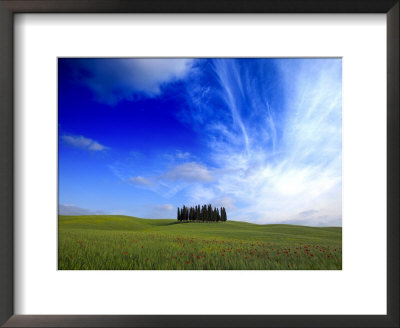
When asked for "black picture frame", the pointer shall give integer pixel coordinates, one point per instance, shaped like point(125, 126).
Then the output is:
point(10, 7)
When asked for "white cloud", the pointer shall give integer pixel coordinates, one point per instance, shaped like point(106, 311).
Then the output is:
point(113, 80)
point(83, 143)
point(182, 155)
point(200, 194)
point(190, 172)
point(139, 180)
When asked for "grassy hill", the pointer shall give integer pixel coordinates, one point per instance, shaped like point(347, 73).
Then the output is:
point(121, 242)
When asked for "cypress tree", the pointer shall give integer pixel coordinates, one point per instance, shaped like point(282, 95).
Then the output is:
point(191, 214)
point(224, 216)
point(203, 213)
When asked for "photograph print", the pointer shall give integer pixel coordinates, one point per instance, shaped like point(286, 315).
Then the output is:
point(199, 164)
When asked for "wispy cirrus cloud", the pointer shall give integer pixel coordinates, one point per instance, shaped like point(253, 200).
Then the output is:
point(83, 143)
point(275, 163)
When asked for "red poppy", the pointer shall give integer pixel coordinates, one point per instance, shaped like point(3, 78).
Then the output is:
point(147, 258)
point(126, 253)
point(188, 262)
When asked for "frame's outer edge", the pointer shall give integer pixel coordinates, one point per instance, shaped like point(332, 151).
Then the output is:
point(393, 164)
point(6, 165)
point(200, 6)
point(195, 321)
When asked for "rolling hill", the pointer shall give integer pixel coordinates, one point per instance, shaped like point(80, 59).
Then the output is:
point(102, 241)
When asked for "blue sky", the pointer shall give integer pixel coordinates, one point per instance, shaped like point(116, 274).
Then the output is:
point(261, 137)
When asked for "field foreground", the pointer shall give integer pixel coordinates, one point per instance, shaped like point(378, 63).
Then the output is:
point(111, 242)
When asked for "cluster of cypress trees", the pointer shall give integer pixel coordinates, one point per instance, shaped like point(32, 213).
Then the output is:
point(203, 213)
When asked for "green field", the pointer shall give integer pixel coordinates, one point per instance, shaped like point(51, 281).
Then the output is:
point(111, 242)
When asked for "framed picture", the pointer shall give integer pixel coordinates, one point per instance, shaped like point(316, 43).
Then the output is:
point(198, 131)
point(199, 164)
